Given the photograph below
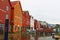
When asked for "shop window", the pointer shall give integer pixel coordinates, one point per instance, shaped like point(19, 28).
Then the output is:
point(15, 27)
point(1, 25)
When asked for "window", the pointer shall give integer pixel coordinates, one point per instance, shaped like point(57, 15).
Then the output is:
point(15, 27)
point(6, 16)
point(6, 8)
point(2, 25)
point(59, 30)
point(18, 7)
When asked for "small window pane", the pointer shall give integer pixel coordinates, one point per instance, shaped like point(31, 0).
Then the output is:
point(6, 16)
point(6, 8)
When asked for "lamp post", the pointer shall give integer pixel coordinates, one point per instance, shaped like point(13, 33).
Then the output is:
point(6, 24)
point(6, 27)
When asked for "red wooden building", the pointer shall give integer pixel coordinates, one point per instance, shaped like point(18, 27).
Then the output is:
point(14, 11)
point(25, 20)
point(5, 9)
point(35, 24)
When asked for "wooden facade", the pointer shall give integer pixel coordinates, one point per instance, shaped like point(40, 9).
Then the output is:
point(16, 16)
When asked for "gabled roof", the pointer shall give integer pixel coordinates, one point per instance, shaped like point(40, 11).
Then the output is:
point(13, 3)
point(26, 12)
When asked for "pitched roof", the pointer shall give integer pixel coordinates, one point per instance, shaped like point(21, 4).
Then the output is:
point(26, 12)
point(13, 3)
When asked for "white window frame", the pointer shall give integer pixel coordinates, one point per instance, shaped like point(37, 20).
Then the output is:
point(7, 8)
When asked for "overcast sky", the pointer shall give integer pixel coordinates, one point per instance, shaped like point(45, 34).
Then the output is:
point(45, 10)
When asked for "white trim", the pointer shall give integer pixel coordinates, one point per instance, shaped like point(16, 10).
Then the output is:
point(2, 10)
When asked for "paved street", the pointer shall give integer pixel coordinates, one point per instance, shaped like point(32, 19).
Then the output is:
point(25, 37)
point(45, 38)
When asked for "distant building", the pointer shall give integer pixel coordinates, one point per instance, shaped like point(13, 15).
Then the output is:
point(39, 24)
point(51, 25)
point(35, 24)
point(31, 23)
point(44, 24)
point(57, 28)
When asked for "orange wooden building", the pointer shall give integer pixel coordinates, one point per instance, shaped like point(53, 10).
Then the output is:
point(16, 16)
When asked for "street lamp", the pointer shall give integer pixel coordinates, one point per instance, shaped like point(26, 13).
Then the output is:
point(6, 27)
point(6, 24)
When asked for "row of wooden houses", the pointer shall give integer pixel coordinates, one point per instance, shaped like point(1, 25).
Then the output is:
point(19, 20)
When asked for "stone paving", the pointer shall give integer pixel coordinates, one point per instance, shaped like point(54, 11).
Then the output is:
point(18, 36)
point(46, 38)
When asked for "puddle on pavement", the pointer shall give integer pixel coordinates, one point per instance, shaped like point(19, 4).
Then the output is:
point(21, 37)
point(18, 37)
